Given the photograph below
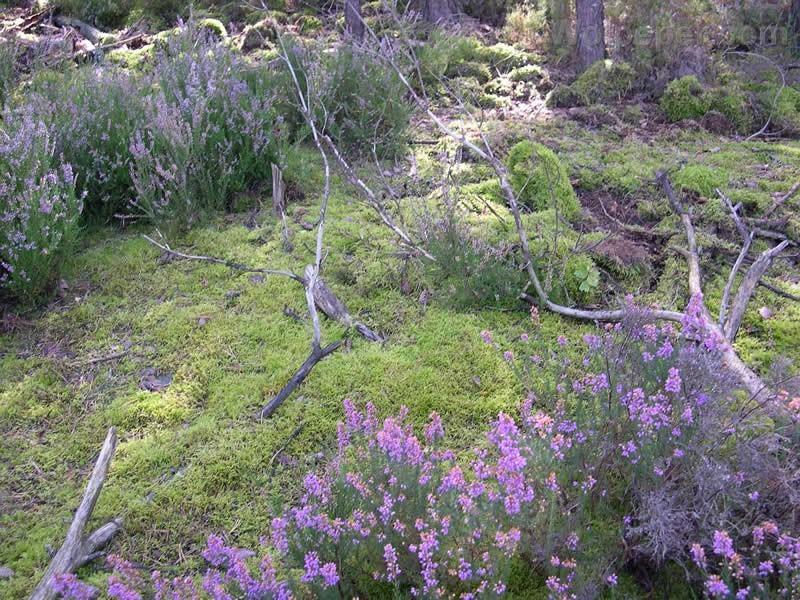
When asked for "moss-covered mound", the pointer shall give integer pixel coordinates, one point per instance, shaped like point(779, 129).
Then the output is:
point(540, 179)
point(685, 98)
point(604, 81)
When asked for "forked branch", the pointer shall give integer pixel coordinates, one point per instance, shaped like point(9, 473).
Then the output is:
point(78, 549)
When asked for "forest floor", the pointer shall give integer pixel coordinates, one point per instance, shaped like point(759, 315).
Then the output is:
point(179, 356)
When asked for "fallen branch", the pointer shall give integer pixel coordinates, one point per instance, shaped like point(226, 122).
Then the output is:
point(77, 550)
point(787, 196)
point(748, 286)
point(90, 33)
point(776, 290)
point(317, 354)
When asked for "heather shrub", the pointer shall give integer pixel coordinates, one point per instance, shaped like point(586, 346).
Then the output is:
point(468, 271)
point(93, 114)
point(639, 431)
point(768, 566)
point(365, 102)
point(39, 207)
point(8, 71)
point(207, 132)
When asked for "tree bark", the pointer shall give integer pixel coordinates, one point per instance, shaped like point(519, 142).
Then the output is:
point(794, 19)
point(590, 27)
point(559, 15)
point(354, 24)
point(437, 11)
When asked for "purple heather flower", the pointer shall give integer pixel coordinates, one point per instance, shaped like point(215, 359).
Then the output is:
point(71, 588)
point(329, 574)
point(673, 383)
point(486, 336)
point(312, 567)
point(392, 568)
point(722, 544)
point(716, 588)
point(434, 429)
point(698, 555)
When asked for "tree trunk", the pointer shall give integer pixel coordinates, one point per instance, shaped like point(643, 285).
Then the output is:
point(590, 28)
point(436, 11)
point(559, 14)
point(354, 25)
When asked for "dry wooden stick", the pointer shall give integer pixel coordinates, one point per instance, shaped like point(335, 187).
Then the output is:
point(77, 550)
point(787, 196)
point(317, 354)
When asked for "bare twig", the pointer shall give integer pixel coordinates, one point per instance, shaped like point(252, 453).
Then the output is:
point(776, 290)
point(77, 550)
point(221, 261)
point(747, 237)
point(787, 196)
point(317, 354)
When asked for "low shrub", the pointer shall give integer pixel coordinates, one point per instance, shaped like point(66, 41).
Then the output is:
point(468, 272)
point(207, 133)
point(93, 115)
point(8, 71)
point(540, 179)
point(366, 102)
point(39, 207)
point(106, 13)
point(637, 446)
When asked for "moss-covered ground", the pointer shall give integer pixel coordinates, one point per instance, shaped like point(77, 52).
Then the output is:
point(193, 459)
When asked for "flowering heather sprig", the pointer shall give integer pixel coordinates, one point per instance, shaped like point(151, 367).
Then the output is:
point(768, 567)
point(69, 587)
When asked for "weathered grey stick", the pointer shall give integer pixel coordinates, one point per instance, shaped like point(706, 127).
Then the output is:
point(77, 550)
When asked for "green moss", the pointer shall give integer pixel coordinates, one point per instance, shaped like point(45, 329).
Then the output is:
point(469, 69)
point(528, 73)
point(605, 81)
point(563, 96)
point(308, 24)
point(213, 26)
point(131, 59)
point(259, 35)
point(701, 179)
point(784, 107)
point(735, 105)
point(540, 179)
point(502, 57)
point(685, 98)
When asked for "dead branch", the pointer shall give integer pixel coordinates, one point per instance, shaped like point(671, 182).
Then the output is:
point(787, 196)
point(221, 261)
point(747, 237)
point(776, 290)
point(90, 33)
point(748, 286)
point(317, 354)
point(77, 550)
